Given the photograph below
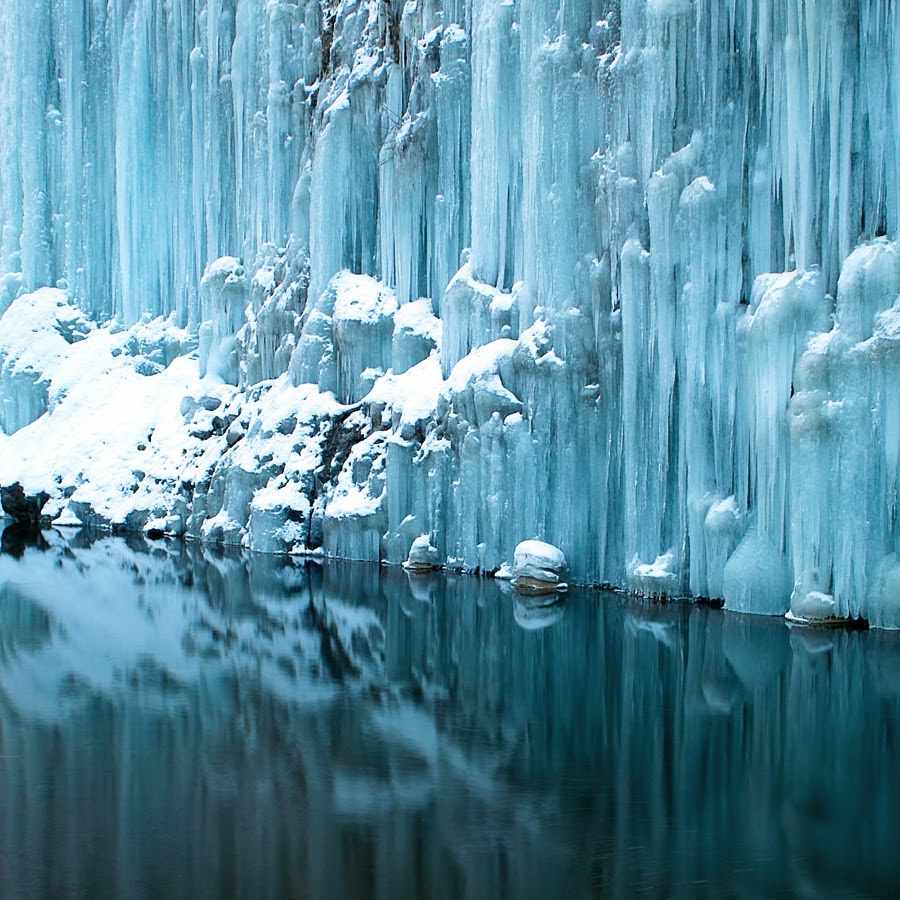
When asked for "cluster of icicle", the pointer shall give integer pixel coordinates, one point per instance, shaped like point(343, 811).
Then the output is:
point(656, 233)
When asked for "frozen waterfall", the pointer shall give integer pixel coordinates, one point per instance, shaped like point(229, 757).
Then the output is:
point(618, 275)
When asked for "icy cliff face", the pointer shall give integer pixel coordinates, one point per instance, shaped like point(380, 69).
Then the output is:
point(614, 275)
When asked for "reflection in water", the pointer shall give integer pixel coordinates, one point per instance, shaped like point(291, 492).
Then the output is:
point(176, 722)
point(18, 537)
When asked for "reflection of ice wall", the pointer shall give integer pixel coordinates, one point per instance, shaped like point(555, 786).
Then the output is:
point(301, 719)
point(649, 203)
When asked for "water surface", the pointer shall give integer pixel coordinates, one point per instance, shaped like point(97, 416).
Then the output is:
point(178, 722)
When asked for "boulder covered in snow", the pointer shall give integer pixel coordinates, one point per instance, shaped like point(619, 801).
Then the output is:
point(423, 557)
point(538, 568)
point(813, 606)
point(38, 332)
point(819, 608)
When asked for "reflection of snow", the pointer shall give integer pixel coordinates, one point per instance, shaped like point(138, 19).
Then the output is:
point(111, 616)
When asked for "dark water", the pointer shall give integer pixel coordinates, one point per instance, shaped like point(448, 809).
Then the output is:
point(178, 723)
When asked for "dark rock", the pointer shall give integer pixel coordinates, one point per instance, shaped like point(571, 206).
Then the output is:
point(136, 520)
point(21, 506)
point(147, 367)
point(221, 424)
point(287, 426)
point(86, 514)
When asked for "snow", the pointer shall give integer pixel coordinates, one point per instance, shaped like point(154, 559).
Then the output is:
point(361, 299)
point(656, 579)
point(411, 398)
point(815, 606)
point(422, 555)
point(538, 559)
point(417, 332)
point(38, 329)
point(107, 422)
point(34, 327)
point(538, 567)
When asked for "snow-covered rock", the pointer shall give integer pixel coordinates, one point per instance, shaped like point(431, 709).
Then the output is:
point(538, 568)
point(423, 557)
point(37, 332)
point(814, 607)
point(417, 333)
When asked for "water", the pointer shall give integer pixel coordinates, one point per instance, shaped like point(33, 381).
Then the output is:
point(177, 722)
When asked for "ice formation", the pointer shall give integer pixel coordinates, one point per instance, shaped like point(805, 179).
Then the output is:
point(618, 275)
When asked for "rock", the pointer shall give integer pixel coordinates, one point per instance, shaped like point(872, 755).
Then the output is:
point(817, 608)
point(209, 403)
point(147, 367)
point(538, 568)
point(423, 557)
point(287, 425)
point(21, 506)
point(235, 433)
point(164, 525)
point(814, 606)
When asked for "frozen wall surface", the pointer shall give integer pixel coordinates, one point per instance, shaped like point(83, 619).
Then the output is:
point(620, 275)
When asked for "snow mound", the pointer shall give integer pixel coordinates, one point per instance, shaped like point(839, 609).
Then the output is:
point(422, 555)
point(538, 568)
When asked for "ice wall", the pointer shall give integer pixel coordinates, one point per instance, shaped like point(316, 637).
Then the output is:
point(648, 243)
point(142, 140)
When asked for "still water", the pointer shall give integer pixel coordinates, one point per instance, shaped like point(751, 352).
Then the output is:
point(175, 722)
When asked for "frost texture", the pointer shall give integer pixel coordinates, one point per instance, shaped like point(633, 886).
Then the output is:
point(618, 276)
